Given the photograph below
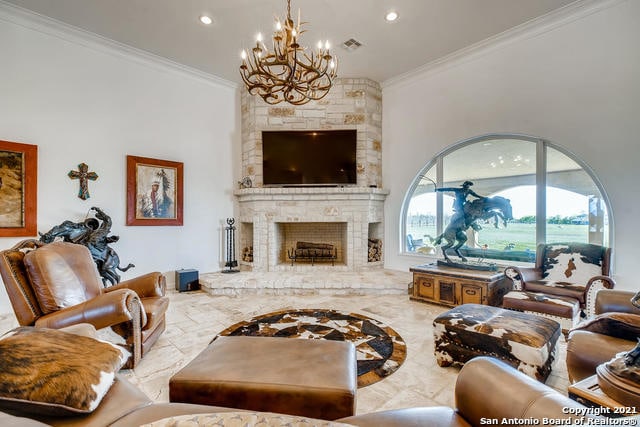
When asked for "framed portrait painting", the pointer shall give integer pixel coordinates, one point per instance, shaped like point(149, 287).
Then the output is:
point(154, 191)
point(18, 189)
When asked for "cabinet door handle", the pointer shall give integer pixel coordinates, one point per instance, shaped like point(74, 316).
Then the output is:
point(470, 292)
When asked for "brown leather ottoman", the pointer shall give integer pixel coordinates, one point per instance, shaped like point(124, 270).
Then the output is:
point(312, 378)
point(525, 341)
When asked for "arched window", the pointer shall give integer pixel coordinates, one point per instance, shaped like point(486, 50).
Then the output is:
point(555, 198)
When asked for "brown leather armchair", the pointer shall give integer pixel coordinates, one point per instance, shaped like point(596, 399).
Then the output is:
point(56, 285)
point(614, 329)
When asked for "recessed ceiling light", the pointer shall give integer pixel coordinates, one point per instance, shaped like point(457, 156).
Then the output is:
point(206, 20)
point(391, 16)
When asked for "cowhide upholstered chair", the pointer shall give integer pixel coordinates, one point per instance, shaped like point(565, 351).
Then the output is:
point(57, 285)
point(563, 284)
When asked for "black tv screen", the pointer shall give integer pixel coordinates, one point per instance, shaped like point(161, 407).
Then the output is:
point(310, 158)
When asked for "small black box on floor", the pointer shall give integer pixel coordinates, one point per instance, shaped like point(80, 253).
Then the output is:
point(187, 280)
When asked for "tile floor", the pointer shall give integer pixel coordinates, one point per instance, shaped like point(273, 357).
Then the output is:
point(194, 318)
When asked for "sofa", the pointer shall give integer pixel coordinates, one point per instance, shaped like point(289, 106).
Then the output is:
point(614, 329)
point(513, 396)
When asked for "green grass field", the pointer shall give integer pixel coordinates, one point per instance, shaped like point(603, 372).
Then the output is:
point(522, 236)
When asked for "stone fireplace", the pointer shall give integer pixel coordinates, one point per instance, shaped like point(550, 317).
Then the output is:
point(272, 219)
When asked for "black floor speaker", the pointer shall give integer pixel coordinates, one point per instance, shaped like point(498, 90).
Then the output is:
point(187, 280)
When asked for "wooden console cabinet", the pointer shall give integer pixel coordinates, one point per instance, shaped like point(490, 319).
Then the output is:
point(455, 286)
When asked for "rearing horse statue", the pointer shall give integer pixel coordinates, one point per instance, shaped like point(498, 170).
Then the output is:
point(483, 208)
point(94, 234)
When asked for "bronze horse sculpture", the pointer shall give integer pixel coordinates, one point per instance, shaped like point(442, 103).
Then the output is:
point(94, 234)
point(483, 208)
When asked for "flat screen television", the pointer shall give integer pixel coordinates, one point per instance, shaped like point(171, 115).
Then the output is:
point(309, 158)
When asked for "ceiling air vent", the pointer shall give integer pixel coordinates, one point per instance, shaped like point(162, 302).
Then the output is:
point(351, 44)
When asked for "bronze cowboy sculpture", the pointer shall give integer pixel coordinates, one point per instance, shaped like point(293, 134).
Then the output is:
point(466, 214)
point(94, 234)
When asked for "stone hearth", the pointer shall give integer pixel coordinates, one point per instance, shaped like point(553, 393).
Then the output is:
point(311, 282)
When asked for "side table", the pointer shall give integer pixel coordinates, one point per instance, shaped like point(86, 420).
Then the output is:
point(588, 393)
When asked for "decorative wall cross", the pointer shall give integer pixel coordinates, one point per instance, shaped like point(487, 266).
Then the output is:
point(83, 175)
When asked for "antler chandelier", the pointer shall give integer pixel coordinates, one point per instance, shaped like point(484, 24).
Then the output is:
point(288, 73)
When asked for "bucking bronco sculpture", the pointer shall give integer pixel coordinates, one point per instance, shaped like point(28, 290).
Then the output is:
point(483, 208)
point(94, 234)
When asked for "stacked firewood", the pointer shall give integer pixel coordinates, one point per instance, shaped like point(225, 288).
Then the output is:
point(375, 250)
point(247, 254)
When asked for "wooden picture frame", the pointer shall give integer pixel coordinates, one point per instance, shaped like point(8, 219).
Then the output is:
point(154, 191)
point(18, 189)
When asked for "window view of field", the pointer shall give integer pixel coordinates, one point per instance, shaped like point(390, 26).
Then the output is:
point(516, 236)
point(567, 221)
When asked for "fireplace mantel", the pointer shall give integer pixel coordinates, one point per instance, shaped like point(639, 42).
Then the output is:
point(266, 214)
point(289, 193)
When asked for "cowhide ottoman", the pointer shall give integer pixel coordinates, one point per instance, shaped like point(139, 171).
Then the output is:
point(525, 341)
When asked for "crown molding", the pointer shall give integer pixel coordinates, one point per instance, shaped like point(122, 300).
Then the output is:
point(573, 11)
point(52, 27)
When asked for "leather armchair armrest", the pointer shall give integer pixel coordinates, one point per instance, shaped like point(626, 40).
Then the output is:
point(7, 419)
point(530, 273)
point(148, 285)
point(608, 300)
point(513, 394)
point(408, 417)
point(82, 329)
point(586, 350)
point(102, 311)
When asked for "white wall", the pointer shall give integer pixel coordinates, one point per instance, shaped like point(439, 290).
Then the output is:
point(576, 85)
point(79, 101)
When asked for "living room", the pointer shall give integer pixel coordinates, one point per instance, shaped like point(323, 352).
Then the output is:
point(568, 77)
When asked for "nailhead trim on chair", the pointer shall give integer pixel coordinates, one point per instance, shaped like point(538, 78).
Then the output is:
point(22, 290)
point(134, 333)
point(35, 312)
point(590, 302)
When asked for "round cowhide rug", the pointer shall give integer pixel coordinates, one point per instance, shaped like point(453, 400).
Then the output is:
point(380, 350)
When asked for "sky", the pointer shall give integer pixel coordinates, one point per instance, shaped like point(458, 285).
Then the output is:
point(559, 202)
